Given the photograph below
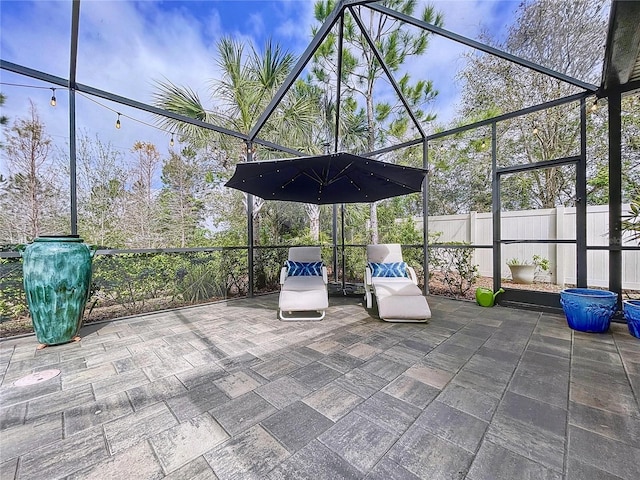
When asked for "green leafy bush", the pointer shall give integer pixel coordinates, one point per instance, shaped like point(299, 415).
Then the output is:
point(631, 221)
point(203, 282)
point(459, 272)
point(13, 302)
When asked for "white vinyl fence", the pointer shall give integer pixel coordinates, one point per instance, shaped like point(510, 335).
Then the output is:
point(553, 224)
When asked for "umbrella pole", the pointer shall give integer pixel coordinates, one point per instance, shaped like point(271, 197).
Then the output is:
point(344, 290)
point(335, 243)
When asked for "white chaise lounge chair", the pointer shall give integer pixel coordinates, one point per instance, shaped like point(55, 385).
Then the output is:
point(303, 280)
point(395, 286)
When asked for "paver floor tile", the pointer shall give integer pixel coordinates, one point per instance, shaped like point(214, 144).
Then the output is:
point(534, 412)
point(332, 401)
point(249, 455)
point(275, 368)
point(411, 391)
point(197, 469)
point(154, 392)
point(315, 375)
point(453, 425)
point(196, 401)
point(136, 463)
point(361, 442)
point(64, 457)
point(430, 457)
point(237, 384)
point(19, 439)
point(313, 462)
point(363, 384)
point(296, 425)
point(242, 412)
point(282, 392)
point(183, 443)
point(126, 431)
point(386, 469)
point(624, 428)
point(494, 462)
point(527, 440)
point(388, 412)
point(436, 377)
point(470, 400)
point(577, 470)
point(95, 413)
point(604, 453)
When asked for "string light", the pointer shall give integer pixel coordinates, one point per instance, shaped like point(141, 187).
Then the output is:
point(535, 129)
point(53, 102)
point(594, 107)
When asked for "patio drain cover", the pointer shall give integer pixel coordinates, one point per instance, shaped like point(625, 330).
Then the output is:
point(37, 377)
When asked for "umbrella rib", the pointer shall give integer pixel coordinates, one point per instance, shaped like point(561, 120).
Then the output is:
point(338, 175)
point(291, 180)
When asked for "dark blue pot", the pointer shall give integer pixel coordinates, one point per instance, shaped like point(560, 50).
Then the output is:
point(587, 309)
point(57, 277)
point(631, 309)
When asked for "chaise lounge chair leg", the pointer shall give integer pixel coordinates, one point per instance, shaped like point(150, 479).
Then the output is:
point(293, 316)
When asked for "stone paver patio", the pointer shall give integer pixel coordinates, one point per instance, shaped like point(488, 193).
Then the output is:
point(228, 391)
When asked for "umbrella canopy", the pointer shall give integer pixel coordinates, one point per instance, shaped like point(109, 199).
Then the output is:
point(326, 179)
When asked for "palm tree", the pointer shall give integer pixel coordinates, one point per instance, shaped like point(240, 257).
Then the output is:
point(248, 83)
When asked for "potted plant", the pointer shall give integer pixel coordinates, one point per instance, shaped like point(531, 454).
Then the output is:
point(588, 309)
point(524, 271)
point(631, 225)
point(631, 309)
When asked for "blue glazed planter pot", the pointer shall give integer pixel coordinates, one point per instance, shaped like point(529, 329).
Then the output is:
point(587, 309)
point(57, 277)
point(631, 309)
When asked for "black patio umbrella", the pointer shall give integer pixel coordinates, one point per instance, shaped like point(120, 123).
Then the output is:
point(336, 178)
point(326, 179)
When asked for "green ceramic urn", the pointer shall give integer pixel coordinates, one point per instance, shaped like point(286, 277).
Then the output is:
point(57, 277)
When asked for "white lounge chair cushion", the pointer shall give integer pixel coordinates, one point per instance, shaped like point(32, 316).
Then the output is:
point(402, 307)
point(303, 293)
point(387, 286)
point(300, 284)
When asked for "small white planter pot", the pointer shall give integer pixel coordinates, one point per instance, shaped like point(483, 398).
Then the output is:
point(522, 273)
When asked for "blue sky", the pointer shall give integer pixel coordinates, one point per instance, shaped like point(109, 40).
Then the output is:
point(124, 46)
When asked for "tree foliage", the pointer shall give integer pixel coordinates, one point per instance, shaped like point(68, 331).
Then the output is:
point(567, 37)
point(30, 197)
point(364, 76)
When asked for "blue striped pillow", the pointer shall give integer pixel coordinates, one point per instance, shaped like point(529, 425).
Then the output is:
point(395, 269)
point(304, 269)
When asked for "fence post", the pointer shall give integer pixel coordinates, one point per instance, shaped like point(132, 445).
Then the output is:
point(472, 233)
point(559, 269)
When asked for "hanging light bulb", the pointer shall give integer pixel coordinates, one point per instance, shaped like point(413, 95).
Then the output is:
point(535, 130)
point(171, 141)
point(53, 102)
point(118, 122)
point(594, 107)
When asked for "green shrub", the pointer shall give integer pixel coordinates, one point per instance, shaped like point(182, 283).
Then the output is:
point(203, 282)
point(459, 272)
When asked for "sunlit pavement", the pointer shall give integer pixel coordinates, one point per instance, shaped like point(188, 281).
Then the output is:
point(228, 391)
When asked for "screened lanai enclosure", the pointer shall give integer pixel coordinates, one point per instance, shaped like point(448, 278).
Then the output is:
point(536, 161)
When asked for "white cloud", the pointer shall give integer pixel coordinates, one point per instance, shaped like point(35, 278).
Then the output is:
point(125, 46)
